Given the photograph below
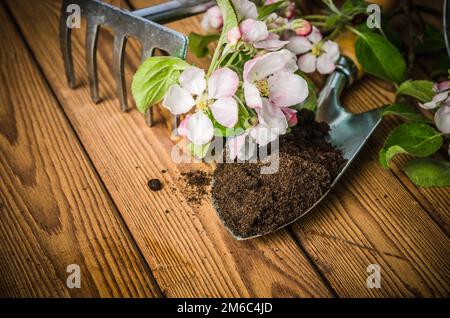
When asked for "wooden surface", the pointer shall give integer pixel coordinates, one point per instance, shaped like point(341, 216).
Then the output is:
point(73, 190)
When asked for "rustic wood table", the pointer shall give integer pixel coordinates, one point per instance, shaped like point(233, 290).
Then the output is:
point(73, 190)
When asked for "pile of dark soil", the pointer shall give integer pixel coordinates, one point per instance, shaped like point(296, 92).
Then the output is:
point(251, 203)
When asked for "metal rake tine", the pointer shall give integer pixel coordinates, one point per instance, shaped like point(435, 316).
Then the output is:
point(118, 61)
point(65, 35)
point(91, 58)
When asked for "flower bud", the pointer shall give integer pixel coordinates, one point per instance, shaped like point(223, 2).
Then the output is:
point(301, 27)
point(234, 35)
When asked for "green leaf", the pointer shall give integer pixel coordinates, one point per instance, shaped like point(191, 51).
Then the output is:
point(198, 43)
point(404, 111)
point(380, 58)
point(428, 172)
point(311, 101)
point(417, 139)
point(265, 11)
point(153, 78)
point(433, 41)
point(421, 90)
point(230, 21)
point(197, 151)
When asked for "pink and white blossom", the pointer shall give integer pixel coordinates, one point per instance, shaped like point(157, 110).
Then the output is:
point(272, 77)
point(215, 96)
point(255, 32)
point(212, 19)
point(440, 100)
point(441, 97)
point(315, 54)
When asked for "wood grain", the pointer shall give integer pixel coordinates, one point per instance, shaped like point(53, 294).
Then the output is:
point(187, 248)
point(376, 216)
point(54, 210)
point(372, 217)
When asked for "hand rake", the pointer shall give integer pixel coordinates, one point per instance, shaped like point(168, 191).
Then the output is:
point(143, 25)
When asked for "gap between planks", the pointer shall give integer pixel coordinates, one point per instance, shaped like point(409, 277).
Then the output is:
point(49, 242)
point(372, 246)
point(243, 270)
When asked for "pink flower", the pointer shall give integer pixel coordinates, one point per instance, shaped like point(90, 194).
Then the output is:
point(272, 77)
point(219, 100)
point(441, 100)
point(442, 91)
point(212, 19)
point(316, 54)
point(256, 33)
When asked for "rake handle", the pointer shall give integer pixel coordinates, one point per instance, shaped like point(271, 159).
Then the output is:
point(174, 10)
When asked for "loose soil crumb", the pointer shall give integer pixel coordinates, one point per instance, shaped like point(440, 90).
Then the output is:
point(197, 186)
point(251, 203)
point(154, 184)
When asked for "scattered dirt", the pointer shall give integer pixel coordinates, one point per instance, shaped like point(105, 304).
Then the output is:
point(252, 203)
point(197, 186)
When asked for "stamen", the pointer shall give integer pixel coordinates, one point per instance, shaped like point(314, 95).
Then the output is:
point(263, 87)
point(317, 49)
point(203, 103)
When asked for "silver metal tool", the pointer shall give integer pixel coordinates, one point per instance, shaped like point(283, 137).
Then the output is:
point(141, 24)
point(348, 132)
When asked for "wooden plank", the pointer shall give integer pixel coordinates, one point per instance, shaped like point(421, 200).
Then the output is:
point(358, 226)
point(372, 218)
point(54, 210)
point(436, 201)
point(188, 250)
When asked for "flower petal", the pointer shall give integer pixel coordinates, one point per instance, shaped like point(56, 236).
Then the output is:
point(200, 129)
point(182, 128)
point(235, 144)
point(178, 100)
point(437, 100)
point(254, 31)
point(331, 50)
point(272, 116)
point(225, 111)
point(234, 35)
point(245, 9)
point(271, 63)
point(291, 116)
point(272, 43)
point(315, 35)
point(325, 65)
point(263, 134)
point(252, 95)
point(287, 89)
point(442, 119)
point(193, 79)
point(299, 45)
point(307, 63)
point(222, 83)
point(441, 86)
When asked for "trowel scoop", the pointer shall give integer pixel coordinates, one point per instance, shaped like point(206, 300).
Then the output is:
point(348, 132)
